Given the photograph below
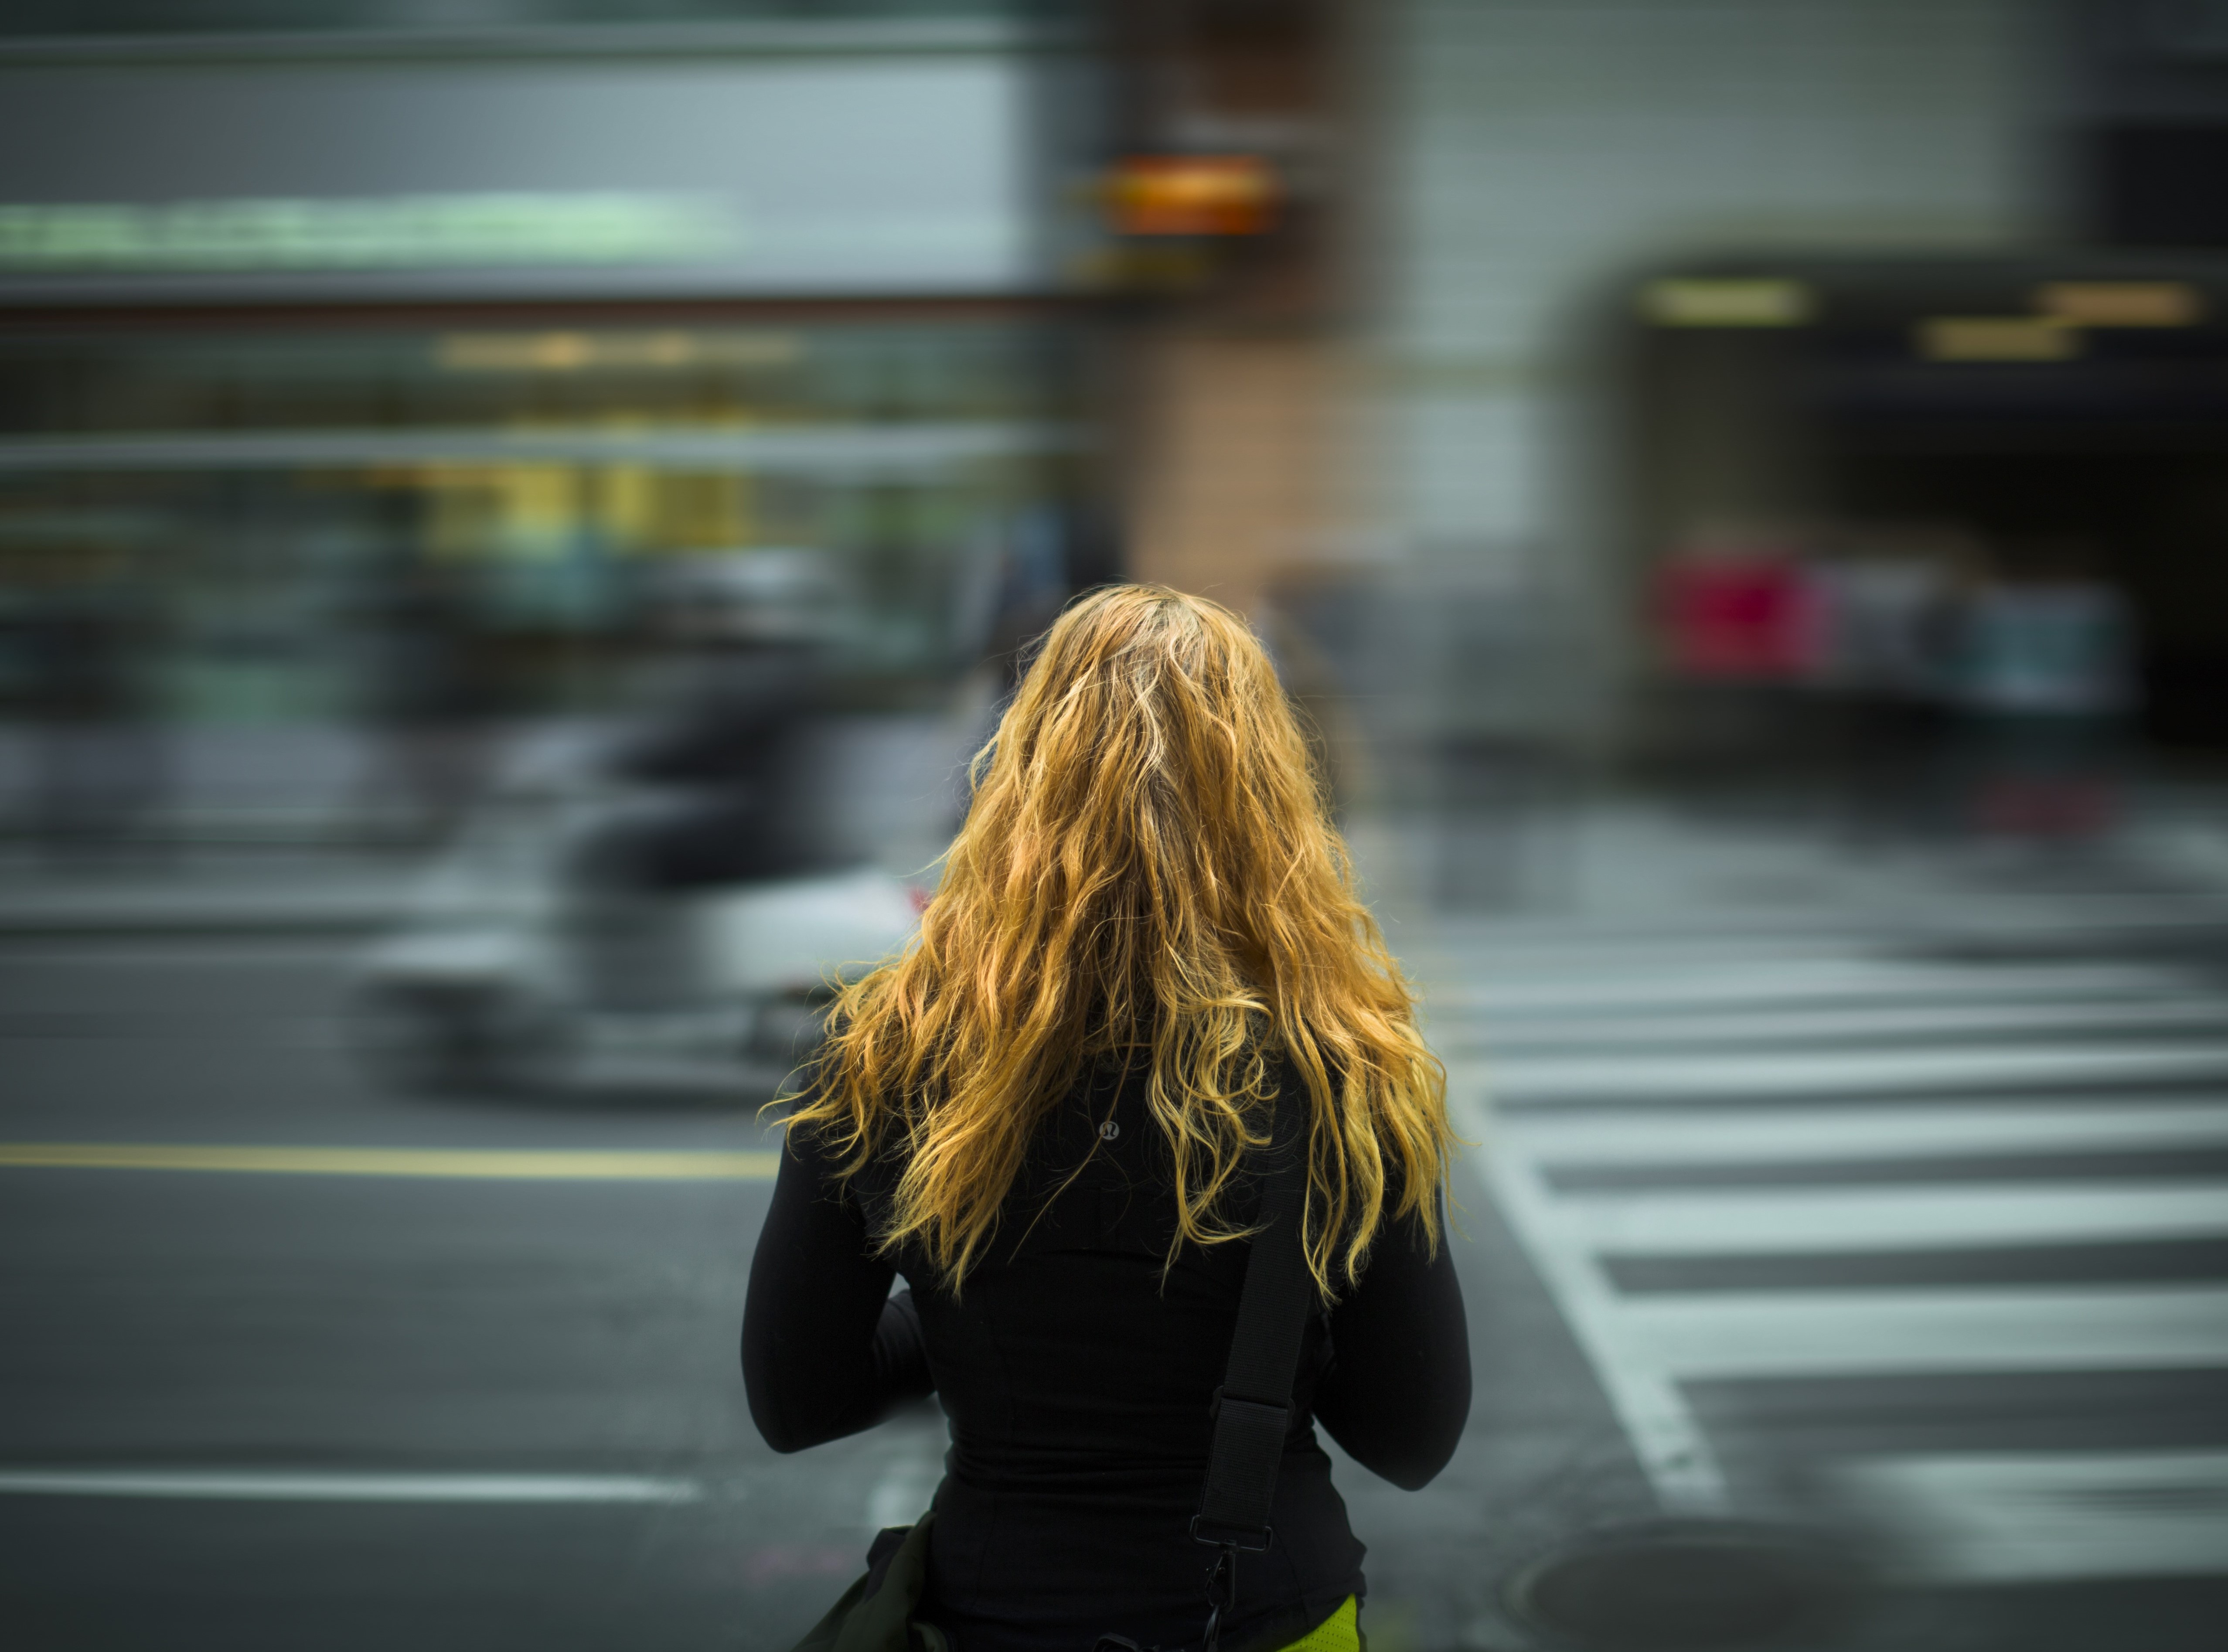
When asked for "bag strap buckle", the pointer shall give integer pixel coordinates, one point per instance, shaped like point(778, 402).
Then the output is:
point(1221, 1535)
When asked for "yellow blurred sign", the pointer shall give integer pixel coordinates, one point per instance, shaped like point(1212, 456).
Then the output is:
point(1697, 301)
point(573, 352)
point(1997, 338)
point(397, 232)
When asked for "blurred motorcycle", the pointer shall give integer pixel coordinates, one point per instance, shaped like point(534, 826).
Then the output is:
point(660, 909)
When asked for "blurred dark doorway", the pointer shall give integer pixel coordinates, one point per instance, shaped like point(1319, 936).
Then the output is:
point(1939, 432)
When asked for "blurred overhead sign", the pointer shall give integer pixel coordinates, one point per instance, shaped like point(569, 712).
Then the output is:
point(1997, 338)
point(730, 174)
point(2122, 304)
point(1191, 195)
point(401, 232)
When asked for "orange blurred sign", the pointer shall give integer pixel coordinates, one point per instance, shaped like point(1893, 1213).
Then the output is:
point(1191, 195)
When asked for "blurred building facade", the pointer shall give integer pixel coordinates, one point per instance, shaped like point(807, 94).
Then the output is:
point(1545, 159)
point(1881, 174)
point(369, 362)
point(372, 377)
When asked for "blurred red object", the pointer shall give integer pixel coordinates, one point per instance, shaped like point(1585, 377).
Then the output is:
point(1191, 195)
point(1752, 620)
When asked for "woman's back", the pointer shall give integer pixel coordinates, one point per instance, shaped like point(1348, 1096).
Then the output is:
point(1079, 1381)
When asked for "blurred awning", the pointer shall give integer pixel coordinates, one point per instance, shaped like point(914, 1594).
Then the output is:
point(854, 161)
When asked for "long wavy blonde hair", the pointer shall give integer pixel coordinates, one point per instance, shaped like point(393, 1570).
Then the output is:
point(1147, 868)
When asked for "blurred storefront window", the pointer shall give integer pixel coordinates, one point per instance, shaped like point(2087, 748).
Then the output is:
point(281, 517)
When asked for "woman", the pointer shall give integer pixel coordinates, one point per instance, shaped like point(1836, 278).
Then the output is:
point(1146, 939)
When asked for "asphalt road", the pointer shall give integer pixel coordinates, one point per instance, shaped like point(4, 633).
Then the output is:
point(290, 1408)
point(1881, 1227)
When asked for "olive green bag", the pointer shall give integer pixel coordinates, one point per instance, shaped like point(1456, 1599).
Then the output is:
point(875, 1613)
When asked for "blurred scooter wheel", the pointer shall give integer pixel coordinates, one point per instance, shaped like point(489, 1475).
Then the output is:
point(415, 1042)
point(460, 1041)
point(528, 1045)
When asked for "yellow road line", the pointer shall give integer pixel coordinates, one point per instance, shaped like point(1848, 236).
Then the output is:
point(469, 1163)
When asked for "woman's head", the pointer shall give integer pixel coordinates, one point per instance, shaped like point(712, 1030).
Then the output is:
point(1148, 873)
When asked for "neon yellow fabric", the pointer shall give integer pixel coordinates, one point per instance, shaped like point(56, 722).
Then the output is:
point(1339, 1632)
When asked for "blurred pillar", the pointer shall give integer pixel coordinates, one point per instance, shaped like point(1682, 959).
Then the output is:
point(1237, 465)
point(1230, 121)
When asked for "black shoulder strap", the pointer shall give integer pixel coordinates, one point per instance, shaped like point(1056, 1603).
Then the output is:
point(1253, 1408)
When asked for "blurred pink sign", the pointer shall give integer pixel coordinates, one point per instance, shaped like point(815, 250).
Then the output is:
point(1749, 620)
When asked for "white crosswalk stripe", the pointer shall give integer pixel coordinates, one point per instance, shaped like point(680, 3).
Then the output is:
point(1542, 989)
point(1655, 1077)
point(1846, 1333)
point(2010, 1141)
point(1818, 1132)
point(2012, 1518)
point(1846, 1219)
point(1659, 1031)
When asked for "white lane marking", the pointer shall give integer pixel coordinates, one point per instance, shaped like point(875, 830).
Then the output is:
point(1682, 984)
point(1676, 1031)
point(1831, 1132)
point(287, 1486)
point(1669, 1444)
point(1641, 1079)
point(1768, 1220)
point(2008, 1517)
point(1852, 1333)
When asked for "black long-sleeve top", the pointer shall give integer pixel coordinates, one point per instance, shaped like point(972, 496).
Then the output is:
point(1078, 1381)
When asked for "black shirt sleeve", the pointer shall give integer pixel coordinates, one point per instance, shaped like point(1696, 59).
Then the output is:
point(827, 1350)
point(1397, 1393)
